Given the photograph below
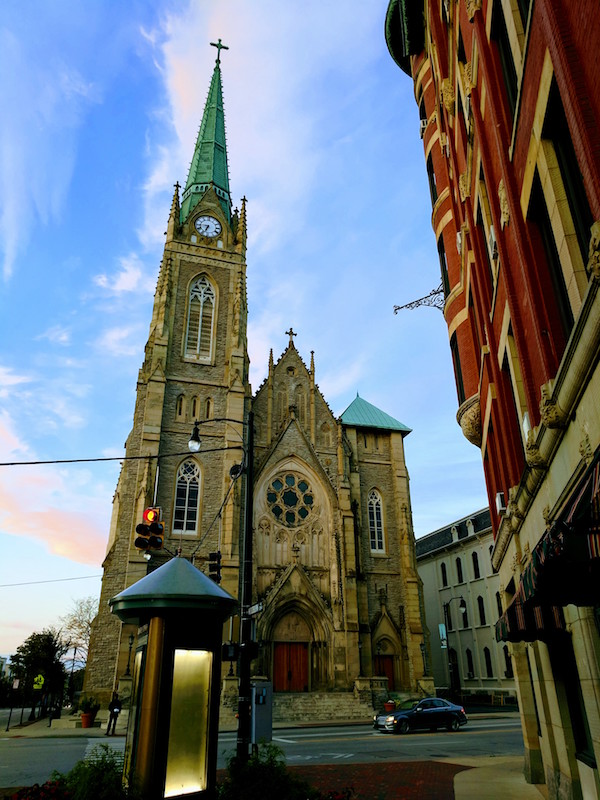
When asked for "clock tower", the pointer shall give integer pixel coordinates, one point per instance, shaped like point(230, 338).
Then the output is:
point(335, 587)
point(195, 368)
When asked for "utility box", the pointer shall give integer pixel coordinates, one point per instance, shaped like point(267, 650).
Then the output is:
point(262, 711)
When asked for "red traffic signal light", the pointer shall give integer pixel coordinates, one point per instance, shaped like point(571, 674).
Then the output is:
point(150, 532)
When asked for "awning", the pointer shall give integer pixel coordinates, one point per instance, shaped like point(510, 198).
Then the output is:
point(524, 622)
point(564, 568)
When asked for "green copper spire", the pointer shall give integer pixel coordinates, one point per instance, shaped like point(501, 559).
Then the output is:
point(209, 164)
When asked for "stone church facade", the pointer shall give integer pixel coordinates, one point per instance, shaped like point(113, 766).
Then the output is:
point(334, 567)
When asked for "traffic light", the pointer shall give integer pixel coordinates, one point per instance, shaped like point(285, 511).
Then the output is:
point(150, 532)
point(214, 566)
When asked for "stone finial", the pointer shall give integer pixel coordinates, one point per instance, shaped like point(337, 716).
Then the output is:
point(463, 186)
point(504, 207)
point(448, 97)
point(593, 265)
point(551, 413)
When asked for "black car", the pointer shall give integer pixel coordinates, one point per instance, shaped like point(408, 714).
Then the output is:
point(431, 713)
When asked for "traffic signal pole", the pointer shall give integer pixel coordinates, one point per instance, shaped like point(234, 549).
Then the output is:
point(244, 701)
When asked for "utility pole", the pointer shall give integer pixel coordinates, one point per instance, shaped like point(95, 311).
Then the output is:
point(246, 649)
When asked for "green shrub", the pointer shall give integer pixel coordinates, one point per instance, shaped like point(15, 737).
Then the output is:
point(264, 777)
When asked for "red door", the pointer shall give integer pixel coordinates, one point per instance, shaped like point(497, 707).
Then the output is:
point(290, 667)
point(384, 667)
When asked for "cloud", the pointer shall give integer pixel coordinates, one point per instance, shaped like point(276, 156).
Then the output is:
point(122, 341)
point(58, 508)
point(57, 335)
point(130, 277)
point(37, 135)
point(9, 379)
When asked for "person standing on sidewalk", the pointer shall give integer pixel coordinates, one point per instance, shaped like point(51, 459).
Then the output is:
point(114, 708)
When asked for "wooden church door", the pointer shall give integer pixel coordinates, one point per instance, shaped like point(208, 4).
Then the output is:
point(290, 667)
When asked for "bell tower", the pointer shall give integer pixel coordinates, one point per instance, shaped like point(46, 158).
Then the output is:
point(195, 368)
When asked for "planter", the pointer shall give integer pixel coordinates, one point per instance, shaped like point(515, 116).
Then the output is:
point(389, 705)
point(87, 720)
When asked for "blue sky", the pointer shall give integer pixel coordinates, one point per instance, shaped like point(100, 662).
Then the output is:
point(101, 105)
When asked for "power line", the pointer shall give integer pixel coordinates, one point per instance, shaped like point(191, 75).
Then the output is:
point(54, 580)
point(114, 458)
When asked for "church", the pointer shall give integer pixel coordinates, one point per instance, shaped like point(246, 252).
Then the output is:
point(335, 583)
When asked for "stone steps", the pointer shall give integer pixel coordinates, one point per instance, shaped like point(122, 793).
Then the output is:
point(319, 707)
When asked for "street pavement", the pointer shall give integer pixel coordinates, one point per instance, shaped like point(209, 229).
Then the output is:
point(464, 778)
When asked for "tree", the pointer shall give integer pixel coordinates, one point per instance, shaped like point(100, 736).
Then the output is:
point(41, 654)
point(76, 629)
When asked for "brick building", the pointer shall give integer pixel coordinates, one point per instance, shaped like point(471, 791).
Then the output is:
point(509, 111)
point(334, 557)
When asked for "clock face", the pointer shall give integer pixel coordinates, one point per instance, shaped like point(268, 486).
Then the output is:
point(208, 226)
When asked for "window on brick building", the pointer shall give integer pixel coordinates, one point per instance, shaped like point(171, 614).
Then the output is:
point(460, 387)
point(180, 407)
point(538, 215)
point(375, 509)
point(524, 6)
point(200, 321)
point(499, 34)
point(443, 265)
point(432, 183)
point(476, 571)
point(444, 572)
point(187, 497)
point(556, 130)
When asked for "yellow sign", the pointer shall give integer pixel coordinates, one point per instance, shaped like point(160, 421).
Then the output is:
point(38, 681)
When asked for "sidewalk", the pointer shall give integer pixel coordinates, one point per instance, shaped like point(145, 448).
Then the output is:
point(469, 778)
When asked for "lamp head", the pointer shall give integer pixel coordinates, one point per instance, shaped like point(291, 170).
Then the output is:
point(194, 442)
point(462, 605)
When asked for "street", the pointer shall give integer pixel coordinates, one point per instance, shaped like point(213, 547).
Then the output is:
point(24, 761)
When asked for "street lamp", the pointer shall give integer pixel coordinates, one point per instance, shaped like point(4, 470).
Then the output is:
point(462, 606)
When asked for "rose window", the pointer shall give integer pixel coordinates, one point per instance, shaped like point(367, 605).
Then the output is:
point(290, 499)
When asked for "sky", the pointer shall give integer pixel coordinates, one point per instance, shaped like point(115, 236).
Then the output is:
point(101, 105)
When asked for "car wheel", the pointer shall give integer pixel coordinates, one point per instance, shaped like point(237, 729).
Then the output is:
point(402, 726)
point(454, 724)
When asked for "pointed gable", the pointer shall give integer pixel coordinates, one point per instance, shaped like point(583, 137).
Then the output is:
point(361, 414)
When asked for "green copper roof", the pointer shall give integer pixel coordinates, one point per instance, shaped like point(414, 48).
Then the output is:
point(209, 164)
point(361, 414)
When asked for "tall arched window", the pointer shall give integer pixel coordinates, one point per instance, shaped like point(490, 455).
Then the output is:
point(481, 607)
point(187, 497)
point(470, 666)
point(459, 572)
point(444, 574)
point(180, 408)
point(508, 668)
point(499, 604)
point(476, 572)
point(208, 408)
point(488, 662)
point(375, 520)
point(200, 323)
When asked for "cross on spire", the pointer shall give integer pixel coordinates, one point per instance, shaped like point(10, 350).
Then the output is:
point(291, 334)
point(219, 47)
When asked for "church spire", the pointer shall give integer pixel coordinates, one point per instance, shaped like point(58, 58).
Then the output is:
point(209, 164)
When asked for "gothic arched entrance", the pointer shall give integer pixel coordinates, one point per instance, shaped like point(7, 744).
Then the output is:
point(291, 653)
